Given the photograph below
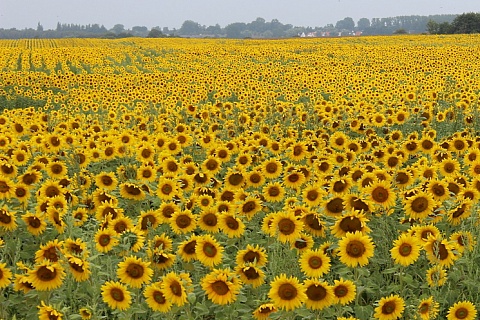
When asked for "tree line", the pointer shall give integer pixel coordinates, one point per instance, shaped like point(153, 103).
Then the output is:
point(464, 23)
point(260, 28)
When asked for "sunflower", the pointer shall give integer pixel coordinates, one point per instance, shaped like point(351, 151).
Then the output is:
point(314, 263)
point(264, 311)
point(183, 222)
point(221, 286)
point(209, 251)
point(287, 293)
point(438, 189)
point(85, 313)
point(440, 251)
point(462, 310)
point(312, 195)
point(344, 291)
point(116, 295)
point(22, 283)
point(80, 268)
point(287, 226)
point(381, 193)
point(106, 180)
point(134, 237)
point(406, 250)
point(48, 189)
point(167, 209)
point(272, 168)
point(145, 152)
point(186, 249)
point(5, 276)
point(30, 177)
point(56, 170)
point(155, 298)
point(304, 243)
point(355, 249)
point(174, 289)
point(463, 240)
point(252, 254)
point(403, 178)
point(212, 164)
point(162, 241)
point(390, 308)
point(160, 258)
point(423, 233)
point(105, 240)
point(255, 178)
point(149, 220)
point(75, 247)
point(167, 189)
point(208, 220)
point(108, 209)
point(249, 206)
point(273, 192)
point(131, 191)
point(297, 151)
point(234, 179)
point(420, 205)
point(350, 222)
point(120, 224)
point(146, 172)
point(294, 179)
point(312, 224)
point(319, 294)
point(231, 225)
point(8, 170)
point(428, 308)
point(449, 167)
point(436, 276)
point(46, 275)
point(47, 312)
point(50, 251)
point(250, 274)
point(461, 211)
point(7, 188)
point(134, 271)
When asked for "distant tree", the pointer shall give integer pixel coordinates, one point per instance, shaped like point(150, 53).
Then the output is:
point(234, 30)
point(118, 28)
point(191, 28)
point(216, 29)
point(432, 26)
point(258, 25)
point(345, 24)
point(39, 27)
point(400, 31)
point(363, 23)
point(466, 23)
point(139, 31)
point(155, 33)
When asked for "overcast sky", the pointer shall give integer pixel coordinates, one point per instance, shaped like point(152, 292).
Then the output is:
point(22, 14)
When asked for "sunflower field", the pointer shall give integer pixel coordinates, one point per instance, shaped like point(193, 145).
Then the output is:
point(240, 179)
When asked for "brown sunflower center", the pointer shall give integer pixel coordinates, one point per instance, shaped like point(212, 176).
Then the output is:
point(45, 274)
point(183, 221)
point(176, 288)
point(251, 256)
point(135, 270)
point(117, 294)
point(273, 191)
point(287, 291)
point(405, 249)
point(316, 292)
point(335, 205)
point(351, 224)
point(286, 226)
point(297, 150)
point(107, 180)
point(210, 250)
point(424, 308)
point(294, 177)
point(380, 194)
point(461, 313)
point(235, 179)
point(255, 178)
point(420, 204)
point(220, 287)
point(271, 167)
point(315, 262)
point(339, 186)
point(312, 195)
point(132, 190)
point(159, 297)
point(33, 222)
point(4, 217)
point(51, 254)
point(389, 307)
point(402, 178)
point(355, 248)
point(312, 221)
point(251, 273)
point(104, 240)
point(248, 206)
point(340, 291)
